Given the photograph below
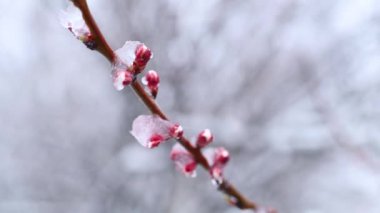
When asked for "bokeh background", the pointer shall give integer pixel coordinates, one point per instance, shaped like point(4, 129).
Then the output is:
point(290, 87)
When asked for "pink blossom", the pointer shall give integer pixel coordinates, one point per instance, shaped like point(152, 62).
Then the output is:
point(183, 160)
point(150, 130)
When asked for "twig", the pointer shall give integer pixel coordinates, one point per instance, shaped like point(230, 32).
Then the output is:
point(235, 197)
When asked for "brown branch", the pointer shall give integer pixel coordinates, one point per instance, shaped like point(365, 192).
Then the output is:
point(235, 197)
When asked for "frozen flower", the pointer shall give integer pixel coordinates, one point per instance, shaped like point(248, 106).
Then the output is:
point(72, 20)
point(133, 56)
point(151, 130)
point(121, 79)
point(204, 138)
point(126, 55)
point(183, 160)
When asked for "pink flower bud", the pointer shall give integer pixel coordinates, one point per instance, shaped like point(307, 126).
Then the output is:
point(176, 131)
point(221, 156)
point(121, 79)
point(204, 138)
point(183, 160)
point(143, 55)
point(151, 80)
point(217, 159)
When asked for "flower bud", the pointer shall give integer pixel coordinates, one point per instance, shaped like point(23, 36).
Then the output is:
point(152, 81)
point(176, 131)
point(143, 55)
point(221, 156)
point(204, 138)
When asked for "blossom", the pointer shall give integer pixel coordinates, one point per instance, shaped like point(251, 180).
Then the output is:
point(151, 130)
point(72, 20)
point(184, 161)
point(126, 55)
point(133, 55)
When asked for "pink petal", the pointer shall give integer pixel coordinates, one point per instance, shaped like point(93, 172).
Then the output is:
point(151, 130)
point(183, 160)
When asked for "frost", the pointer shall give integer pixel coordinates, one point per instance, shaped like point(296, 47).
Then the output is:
point(151, 130)
point(183, 160)
point(72, 20)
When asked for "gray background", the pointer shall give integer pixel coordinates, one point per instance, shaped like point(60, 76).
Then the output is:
point(290, 87)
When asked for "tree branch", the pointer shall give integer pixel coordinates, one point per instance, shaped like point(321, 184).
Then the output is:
point(234, 196)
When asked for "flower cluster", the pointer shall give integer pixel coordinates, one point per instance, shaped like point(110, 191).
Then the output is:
point(151, 130)
point(130, 60)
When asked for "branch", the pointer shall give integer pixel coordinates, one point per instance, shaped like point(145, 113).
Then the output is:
point(234, 197)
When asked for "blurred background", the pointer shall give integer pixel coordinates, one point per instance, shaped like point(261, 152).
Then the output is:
point(290, 87)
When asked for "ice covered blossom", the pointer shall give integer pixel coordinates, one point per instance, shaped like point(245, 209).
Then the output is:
point(204, 138)
point(128, 63)
point(72, 19)
point(184, 161)
point(150, 130)
point(217, 159)
point(132, 56)
point(121, 78)
point(151, 80)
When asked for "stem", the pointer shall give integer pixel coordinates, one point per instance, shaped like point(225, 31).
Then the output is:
point(102, 46)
